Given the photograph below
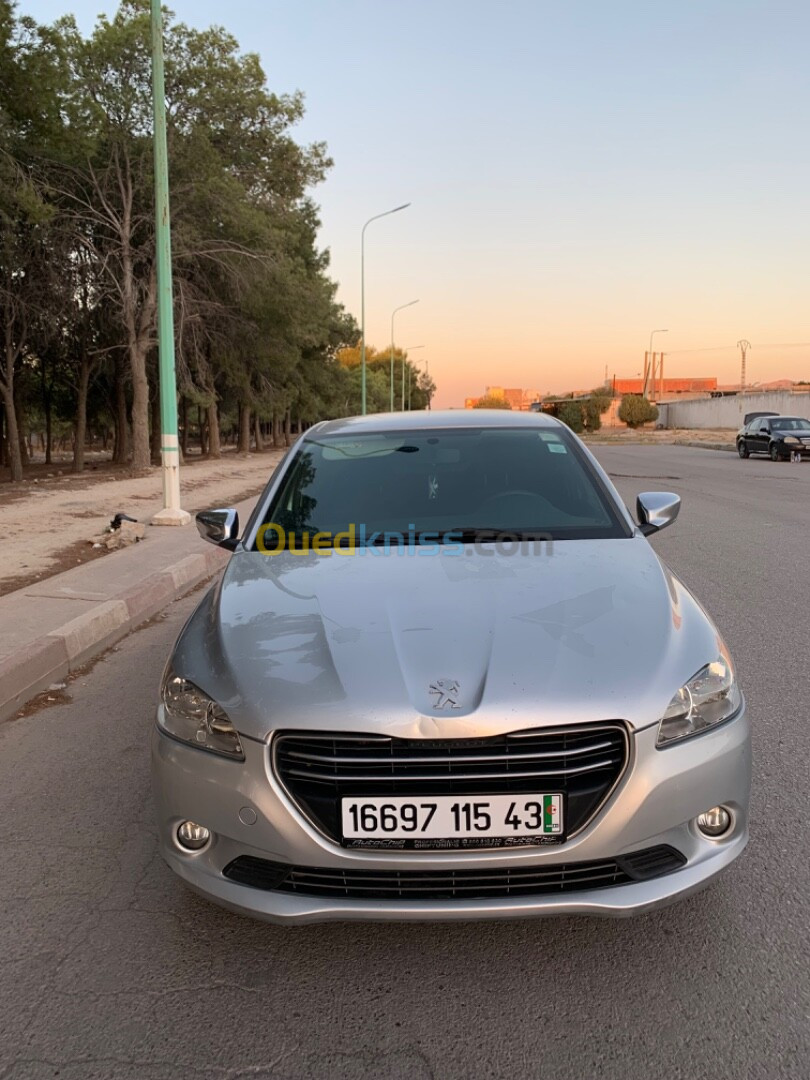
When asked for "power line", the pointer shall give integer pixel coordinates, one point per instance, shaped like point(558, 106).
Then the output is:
point(726, 348)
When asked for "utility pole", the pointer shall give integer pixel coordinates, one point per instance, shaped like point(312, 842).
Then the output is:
point(743, 346)
point(171, 514)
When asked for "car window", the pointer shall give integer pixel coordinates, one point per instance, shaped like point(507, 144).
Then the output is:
point(755, 425)
point(791, 423)
point(440, 481)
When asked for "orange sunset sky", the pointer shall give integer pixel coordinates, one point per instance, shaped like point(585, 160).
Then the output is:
point(580, 174)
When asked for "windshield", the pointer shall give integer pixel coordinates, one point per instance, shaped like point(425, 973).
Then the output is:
point(790, 423)
point(442, 485)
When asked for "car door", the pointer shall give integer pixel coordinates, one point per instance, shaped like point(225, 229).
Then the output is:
point(763, 436)
point(750, 435)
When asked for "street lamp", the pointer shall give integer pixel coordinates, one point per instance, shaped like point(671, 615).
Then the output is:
point(171, 514)
point(363, 293)
point(411, 348)
point(654, 332)
point(393, 313)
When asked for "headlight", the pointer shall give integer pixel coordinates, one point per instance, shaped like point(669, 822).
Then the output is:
point(192, 716)
point(791, 439)
point(707, 699)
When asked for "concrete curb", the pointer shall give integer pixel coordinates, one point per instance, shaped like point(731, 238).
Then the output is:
point(705, 445)
point(34, 667)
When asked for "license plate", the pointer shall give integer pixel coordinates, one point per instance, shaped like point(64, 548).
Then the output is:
point(453, 821)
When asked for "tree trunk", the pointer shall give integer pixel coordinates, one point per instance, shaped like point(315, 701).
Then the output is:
point(287, 428)
point(48, 429)
point(154, 435)
point(203, 433)
point(141, 458)
point(47, 408)
point(243, 446)
point(22, 438)
point(81, 415)
point(214, 445)
point(121, 448)
point(257, 432)
point(13, 436)
point(184, 430)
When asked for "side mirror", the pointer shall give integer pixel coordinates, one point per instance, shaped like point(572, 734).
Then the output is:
point(220, 527)
point(656, 509)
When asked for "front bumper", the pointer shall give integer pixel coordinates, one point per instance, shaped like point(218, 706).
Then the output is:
point(656, 803)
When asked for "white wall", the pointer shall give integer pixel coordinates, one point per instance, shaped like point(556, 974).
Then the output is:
point(728, 412)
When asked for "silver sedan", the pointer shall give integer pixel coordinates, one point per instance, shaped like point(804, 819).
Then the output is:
point(445, 676)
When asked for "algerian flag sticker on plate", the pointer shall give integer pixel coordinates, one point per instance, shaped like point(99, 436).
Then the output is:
point(552, 814)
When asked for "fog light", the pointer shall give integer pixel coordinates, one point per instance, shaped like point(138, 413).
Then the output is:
point(714, 822)
point(192, 837)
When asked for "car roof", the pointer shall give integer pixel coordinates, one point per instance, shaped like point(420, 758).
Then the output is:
point(778, 418)
point(439, 418)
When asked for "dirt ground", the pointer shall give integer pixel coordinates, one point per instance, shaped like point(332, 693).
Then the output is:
point(720, 436)
point(47, 521)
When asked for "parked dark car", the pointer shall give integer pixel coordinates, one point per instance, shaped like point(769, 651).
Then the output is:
point(781, 437)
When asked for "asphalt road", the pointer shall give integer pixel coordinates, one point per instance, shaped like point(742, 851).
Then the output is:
point(110, 968)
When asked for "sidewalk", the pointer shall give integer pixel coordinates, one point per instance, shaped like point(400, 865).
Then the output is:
point(46, 524)
point(53, 627)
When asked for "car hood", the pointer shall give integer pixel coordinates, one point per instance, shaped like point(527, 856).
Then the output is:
point(459, 643)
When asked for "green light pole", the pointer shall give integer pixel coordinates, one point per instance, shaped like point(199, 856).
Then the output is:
point(171, 514)
point(393, 313)
point(363, 296)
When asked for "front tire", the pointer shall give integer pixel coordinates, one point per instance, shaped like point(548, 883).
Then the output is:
point(742, 449)
point(774, 452)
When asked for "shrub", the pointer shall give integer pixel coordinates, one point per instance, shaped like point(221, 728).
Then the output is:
point(636, 410)
point(491, 401)
point(570, 412)
point(593, 414)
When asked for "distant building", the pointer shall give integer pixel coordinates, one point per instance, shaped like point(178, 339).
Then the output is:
point(702, 385)
point(518, 400)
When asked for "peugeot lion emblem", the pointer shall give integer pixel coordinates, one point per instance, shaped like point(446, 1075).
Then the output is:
point(447, 692)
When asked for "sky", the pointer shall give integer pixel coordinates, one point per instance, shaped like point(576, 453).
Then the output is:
point(579, 174)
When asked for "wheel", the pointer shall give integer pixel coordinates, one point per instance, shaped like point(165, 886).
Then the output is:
point(774, 452)
point(742, 449)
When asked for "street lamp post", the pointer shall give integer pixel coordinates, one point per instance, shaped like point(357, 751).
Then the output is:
point(411, 348)
point(363, 294)
point(171, 514)
point(393, 313)
point(654, 332)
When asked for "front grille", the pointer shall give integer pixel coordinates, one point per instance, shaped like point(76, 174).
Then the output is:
point(319, 769)
point(373, 884)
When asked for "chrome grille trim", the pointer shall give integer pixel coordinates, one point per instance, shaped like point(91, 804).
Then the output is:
point(605, 763)
point(299, 755)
